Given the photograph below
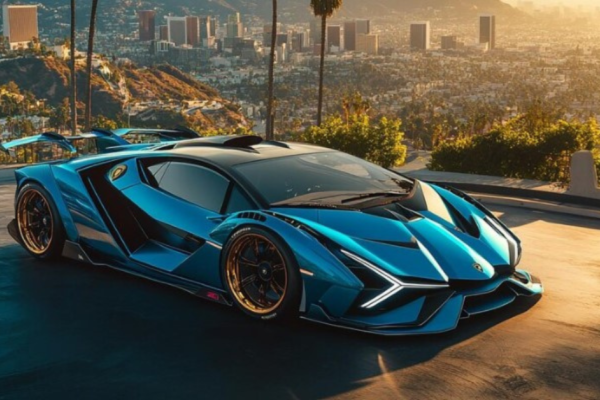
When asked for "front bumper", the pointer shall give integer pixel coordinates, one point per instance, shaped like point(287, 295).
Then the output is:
point(418, 319)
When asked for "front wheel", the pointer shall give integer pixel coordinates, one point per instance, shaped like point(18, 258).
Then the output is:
point(261, 274)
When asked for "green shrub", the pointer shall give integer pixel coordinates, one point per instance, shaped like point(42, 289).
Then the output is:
point(379, 142)
point(511, 151)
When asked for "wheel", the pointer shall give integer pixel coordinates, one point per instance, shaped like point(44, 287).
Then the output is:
point(261, 274)
point(39, 223)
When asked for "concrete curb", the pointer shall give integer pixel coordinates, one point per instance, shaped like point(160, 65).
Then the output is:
point(557, 208)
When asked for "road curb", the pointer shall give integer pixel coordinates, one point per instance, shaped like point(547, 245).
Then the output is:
point(537, 205)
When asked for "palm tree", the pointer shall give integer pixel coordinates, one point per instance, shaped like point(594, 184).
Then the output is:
point(90, 52)
point(271, 90)
point(323, 9)
point(73, 73)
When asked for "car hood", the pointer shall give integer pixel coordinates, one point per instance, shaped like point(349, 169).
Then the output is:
point(428, 246)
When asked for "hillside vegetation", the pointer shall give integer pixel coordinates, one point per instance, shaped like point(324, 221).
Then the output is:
point(116, 86)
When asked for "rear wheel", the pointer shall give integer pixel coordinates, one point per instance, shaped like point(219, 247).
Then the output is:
point(40, 227)
point(261, 274)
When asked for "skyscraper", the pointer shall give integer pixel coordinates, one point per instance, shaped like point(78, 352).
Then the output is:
point(235, 28)
point(449, 42)
point(367, 44)
point(334, 37)
point(350, 35)
point(20, 24)
point(147, 25)
point(315, 31)
point(193, 31)
point(487, 30)
point(163, 32)
point(363, 26)
point(177, 30)
point(420, 35)
point(205, 29)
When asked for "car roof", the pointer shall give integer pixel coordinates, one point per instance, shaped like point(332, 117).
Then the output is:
point(231, 156)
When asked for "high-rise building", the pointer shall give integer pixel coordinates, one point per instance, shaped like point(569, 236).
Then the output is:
point(350, 35)
point(334, 37)
point(205, 29)
point(214, 24)
point(147, 25)
point(367, 44)
point(20, 24)
point(449, 42)
point(363, 26)
point(282, 38)
point(420, 35)
point(315, 31)
point(235, 28)
point(193, 31)
point(487, 30)
point(163, 33)
point(298, 41)
point(177, 30)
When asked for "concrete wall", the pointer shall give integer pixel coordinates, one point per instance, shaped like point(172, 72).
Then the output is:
point(584, 179)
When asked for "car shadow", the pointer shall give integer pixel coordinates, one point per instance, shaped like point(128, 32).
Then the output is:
point(75, 328)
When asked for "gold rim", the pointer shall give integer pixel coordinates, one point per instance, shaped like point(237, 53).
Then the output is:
point(256, 274)
point(34, 218)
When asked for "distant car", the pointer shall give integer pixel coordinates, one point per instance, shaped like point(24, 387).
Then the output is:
point(100, 141)
point(280, 230)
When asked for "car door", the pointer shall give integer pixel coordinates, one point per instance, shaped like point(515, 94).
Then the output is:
point(181, 203)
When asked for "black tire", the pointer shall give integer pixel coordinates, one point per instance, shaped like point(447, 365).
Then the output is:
point(47, 249)
point(247, 297)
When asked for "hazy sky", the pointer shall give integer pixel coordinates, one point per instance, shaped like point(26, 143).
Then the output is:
point(564, 2)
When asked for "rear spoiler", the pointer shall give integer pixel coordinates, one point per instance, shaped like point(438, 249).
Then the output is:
point(47, 137)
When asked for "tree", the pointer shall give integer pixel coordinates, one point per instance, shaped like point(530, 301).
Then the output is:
point(73, 73)
point(323, 9)
point(271, 89)
point(90, 53)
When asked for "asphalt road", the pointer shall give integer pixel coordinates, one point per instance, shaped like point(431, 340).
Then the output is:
point(70, 330)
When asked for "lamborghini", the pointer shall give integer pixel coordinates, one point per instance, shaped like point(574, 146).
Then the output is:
point(279, 230)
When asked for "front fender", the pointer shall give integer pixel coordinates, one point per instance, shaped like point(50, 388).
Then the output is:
point(326, 280)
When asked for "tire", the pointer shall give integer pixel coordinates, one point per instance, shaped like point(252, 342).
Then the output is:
point(36, 213)
point(261, 274)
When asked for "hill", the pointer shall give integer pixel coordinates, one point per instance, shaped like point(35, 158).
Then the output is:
point(164, 89)
point(119, 11)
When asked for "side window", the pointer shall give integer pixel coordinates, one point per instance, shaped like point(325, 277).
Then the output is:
point(198, 185)
point(238, 202)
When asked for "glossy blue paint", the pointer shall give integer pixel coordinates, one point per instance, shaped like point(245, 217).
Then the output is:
point(427, 249)
point(49, 137)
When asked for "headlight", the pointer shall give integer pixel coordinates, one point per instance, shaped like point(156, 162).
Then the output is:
point(396, 285)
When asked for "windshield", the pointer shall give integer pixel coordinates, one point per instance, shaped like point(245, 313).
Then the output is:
point(319, 176)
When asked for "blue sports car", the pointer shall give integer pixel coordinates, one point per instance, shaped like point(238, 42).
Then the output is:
point(279, 230)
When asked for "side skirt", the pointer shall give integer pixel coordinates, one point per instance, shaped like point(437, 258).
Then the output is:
point(74, 251)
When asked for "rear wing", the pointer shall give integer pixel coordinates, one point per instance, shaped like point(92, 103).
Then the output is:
point(47, 137)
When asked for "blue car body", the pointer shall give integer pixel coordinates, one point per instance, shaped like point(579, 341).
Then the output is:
point(444, 239)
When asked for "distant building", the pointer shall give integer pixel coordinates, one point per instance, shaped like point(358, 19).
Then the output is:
point(206, 31)
point(350, 36)
point(315, 31)
point(147, 25)
point(334, 37)
point(487, 30)
point(193, 31)
point(420, 35)
point(449, 42)
point(20, 24)
point(298, 41)
point(282, 38)
point(177, 30)
point(368, 44)
point(235, 28)
point(163, 32)
point(363, 26)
